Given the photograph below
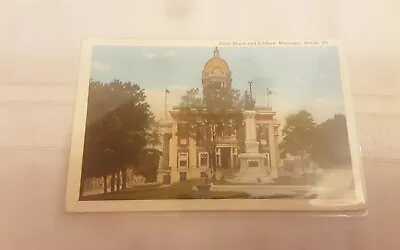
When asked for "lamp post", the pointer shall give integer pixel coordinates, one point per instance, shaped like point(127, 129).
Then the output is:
point(165, 103)
point(251, 101)
point(251, 91)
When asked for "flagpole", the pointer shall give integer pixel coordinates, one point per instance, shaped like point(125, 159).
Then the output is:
point(268, 97)
point(165, 103)
point(251, 91)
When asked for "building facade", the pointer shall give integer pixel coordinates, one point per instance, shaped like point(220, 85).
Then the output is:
point(185, 158)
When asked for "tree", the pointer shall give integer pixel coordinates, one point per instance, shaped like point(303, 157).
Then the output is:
point(207, 126)
point(149, 159)
point(331, 144)
point(95, 156)
point(208, 118)
point(237, 101)
point(106, 97)
point(193, 98)
point(119, 125)
point(298, 134)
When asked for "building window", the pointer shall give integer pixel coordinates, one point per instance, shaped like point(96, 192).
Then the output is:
point(216, 83)
point(203, 159)
point(183, 160)
point(253, 164)
point(183, 141)
point(263, 129)
point(182, 163)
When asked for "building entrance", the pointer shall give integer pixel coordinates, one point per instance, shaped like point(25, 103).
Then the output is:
point(225, 157)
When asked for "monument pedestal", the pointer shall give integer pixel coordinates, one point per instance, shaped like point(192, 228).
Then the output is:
point(252, 163)
point(252, 170)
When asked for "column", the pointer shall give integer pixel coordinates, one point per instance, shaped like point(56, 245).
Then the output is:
point(272, 150)
point(278, 153)
point(193, 171)
point(232, 163)
point(173, 150)
point(250, 129)
point(173, 147)
point(192, 152)
point(165, 157)
point(218, 154)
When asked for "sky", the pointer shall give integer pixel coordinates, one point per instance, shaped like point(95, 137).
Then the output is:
point(301, 77)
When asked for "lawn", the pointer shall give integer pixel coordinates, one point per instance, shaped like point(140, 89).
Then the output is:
point(180, 190)
point(304, 180)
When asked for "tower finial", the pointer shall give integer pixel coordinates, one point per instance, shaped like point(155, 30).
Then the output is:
point(216, 52)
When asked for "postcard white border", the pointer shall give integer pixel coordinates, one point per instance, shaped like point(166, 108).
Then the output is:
point(77, 143)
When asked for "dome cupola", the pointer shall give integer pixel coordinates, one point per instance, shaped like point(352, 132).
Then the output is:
point(216, 64)
point(217, 82)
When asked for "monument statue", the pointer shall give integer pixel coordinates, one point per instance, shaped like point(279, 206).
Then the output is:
point(249, 103)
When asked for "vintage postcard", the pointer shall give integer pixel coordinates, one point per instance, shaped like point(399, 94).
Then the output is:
point(214, 125)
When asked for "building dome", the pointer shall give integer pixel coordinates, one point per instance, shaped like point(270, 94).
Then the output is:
point(216, 64)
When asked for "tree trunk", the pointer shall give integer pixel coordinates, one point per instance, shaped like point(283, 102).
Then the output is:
point(118, 180)
point(213, 163)
point(112, 182)
point(124, 178)
point(105, 184)
point(302, 162)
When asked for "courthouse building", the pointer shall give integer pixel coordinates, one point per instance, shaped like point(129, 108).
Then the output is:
point(184, 158)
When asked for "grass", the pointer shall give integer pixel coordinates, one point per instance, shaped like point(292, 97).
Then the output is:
point(183, 190)
point(180, 190)
point(304, 180)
